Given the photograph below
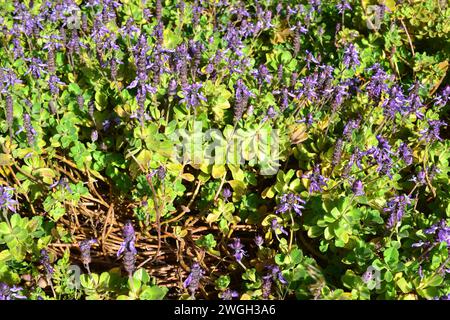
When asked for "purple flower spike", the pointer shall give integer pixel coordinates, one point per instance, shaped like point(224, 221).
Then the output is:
point(396, 207)
point(290, 201)
point(127, 247)
point(45, 261)
point(317, 181)
point(193, 280)
point(431, 133)
point(405, 153)
point(358, 188)
point(343, 5)
point(228, 295)
point(6, 199)
point(226, 193)
point(85, 248)
point(259, 241)
point(277, 227)
point(351, 57)
point(192, 96)
point(238, 248)
point(10, 293)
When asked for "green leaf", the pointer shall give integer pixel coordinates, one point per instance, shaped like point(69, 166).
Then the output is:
point(101, 100)
point(15, 220)
point(404, 285)
point(388, 276)
point(223, 282)
point(335, 213)
point(74, 88)
point(141, 275)
point(218, 171)
point(391, 256)
point(296, 256)
point(134, 284)
point(4, 228)
point(153, 293)
point(250, 275)
point(432, 281)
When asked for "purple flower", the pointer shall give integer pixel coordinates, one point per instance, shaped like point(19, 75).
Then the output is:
point(31, 133)
point(234, 40)
point(266, 286)
point(193, 280)
point(316, 180)
point(276, 274)
point(396, 103)
point(290, 201)
point(74, 44)
point(420, 244)
point(273, 275)
point(271, 113)
point(10, 293)
point(129, 29)
point(259, 241)
point(85, 248)
point(192, 96)
point(340, 93)
point(414, 100)
point(351, 57)
point(358, 188)
point(94, 135)
point(226, 193)
point(420, 271)
point(377, 85)
point(310, 58)
point(442, 99)
point(37, 67)
point(242, 94)
point(343, 5)
point(382, 156)
point(142, 67)
point(431, 133)
point(308, 88)
point(441, 232)
point(61, 182)
point(276, 227)
point(17, 48)
point(161, 173)
point(45, 261)
point(263, 75)
point(238, 248)
point(228, 294)
point(337, 153)
point(172, 88)
point(8, 79)
point(129, 239)
point(53, 83)
point(285, 97)
point(6, 199)
point(396, 207)
point(127, 247)
point(405, 153)
point(420, 178)
point(355, 158)
point(367, 276)
point(309, 120)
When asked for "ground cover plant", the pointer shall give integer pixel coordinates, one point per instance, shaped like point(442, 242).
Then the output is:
point(224, 149)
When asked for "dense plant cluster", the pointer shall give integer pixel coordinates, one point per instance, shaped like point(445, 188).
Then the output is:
point(347, 101)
